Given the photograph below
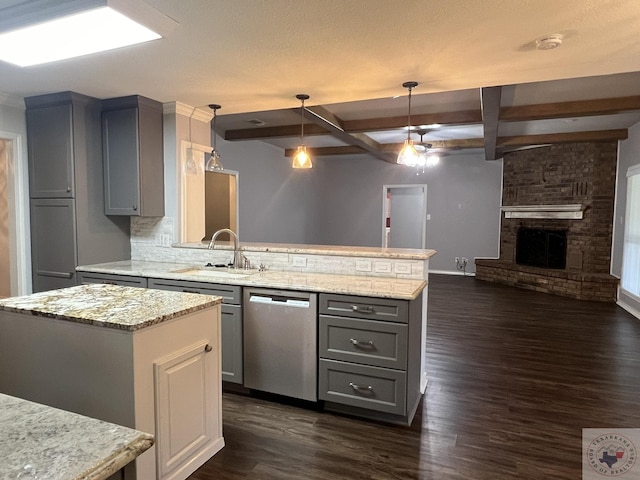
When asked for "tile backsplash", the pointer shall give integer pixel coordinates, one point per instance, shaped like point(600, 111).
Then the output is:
point(151, 239)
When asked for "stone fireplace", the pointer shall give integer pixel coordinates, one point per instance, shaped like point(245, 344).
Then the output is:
point(559, 197)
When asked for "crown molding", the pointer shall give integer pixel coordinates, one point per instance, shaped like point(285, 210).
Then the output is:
point(10, 101)
point(185, 110)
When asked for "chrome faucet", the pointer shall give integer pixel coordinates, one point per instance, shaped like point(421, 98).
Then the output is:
point(237, 256)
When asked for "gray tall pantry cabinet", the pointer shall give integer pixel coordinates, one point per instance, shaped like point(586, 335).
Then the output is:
point(68, 224)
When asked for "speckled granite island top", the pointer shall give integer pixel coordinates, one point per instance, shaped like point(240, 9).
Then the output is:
point(42, 442)
point(124, 308)
point(381, 287)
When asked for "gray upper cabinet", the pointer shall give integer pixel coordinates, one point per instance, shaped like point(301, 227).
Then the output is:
point(68, 224)
point(50, 147)
point(132, 156)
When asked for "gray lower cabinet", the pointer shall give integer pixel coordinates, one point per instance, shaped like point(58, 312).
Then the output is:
point(369, 351)
point(231, 325)
point(111, 279)
point(53, 243)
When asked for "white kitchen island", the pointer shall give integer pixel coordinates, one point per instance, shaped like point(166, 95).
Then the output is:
point(144, 359)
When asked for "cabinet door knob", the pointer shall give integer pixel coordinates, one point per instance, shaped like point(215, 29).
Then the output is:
point(135, 208)
point(208, 348)
point(68, 188)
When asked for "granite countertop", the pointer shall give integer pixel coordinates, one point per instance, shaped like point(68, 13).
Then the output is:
point(40, 442)
point(382, 287)
point(337, 250)
point(124, 308)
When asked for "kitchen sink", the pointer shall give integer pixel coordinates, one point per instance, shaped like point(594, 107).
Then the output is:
point(215, 272)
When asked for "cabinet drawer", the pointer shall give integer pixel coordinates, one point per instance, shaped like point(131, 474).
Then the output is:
point(369, 342)
point(373, 388)
point(384, 309)
point(229, 293)
point(113, 279)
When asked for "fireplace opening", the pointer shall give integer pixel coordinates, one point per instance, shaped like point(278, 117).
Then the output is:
point(536, 247)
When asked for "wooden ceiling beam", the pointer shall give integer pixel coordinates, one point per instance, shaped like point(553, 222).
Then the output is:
point(322, 117)
point(461, 117)
point(502, 143)
point(577, 108)
point(273, 132)
point(568, 137)
point(490, 98)
point(328, 151)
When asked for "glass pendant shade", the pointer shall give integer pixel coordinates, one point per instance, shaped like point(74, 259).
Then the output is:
point(214, 164)
point(301, 159)
point(408, 154)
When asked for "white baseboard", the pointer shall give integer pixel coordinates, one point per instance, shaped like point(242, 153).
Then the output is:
point(453, 272)
point(629, 308)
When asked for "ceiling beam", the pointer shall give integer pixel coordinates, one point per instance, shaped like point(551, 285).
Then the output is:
point(273, 132)
point(578, 108)
point(490, 98)
point(322, 117)
point(501, 143)
point(327, 151)
point(461, 117)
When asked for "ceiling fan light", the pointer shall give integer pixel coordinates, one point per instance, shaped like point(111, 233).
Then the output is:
point(432, 160)
point(301, 159)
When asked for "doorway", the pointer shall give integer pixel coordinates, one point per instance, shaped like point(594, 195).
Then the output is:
point(15, 263)
point(5, 255)
point(404, 216)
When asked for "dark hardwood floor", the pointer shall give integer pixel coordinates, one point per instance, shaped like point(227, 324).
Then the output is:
point(514, 376)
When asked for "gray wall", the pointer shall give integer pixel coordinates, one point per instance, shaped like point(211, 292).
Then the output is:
point(339, 201)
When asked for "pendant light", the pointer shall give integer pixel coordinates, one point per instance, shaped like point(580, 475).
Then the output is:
point(214, 164)
point(408, 154)
point(301, 159)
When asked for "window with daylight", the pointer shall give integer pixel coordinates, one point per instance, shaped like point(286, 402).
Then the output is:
point(630, 280)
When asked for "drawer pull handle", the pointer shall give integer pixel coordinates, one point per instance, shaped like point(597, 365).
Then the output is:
point(358, 388)
point(189, 291)
point(358, 343)
point(362, 308)
point(208, 348)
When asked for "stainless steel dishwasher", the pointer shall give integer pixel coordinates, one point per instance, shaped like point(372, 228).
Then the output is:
point(280, 342)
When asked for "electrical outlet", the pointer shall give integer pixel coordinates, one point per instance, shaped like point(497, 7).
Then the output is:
point(299, 262)
point(363, 265)
point(404, 268)
point(382, 267)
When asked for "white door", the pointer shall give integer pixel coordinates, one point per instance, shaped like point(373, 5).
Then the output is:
point(404, 223)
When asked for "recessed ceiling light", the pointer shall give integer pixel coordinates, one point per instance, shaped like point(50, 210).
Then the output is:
point(60, 30)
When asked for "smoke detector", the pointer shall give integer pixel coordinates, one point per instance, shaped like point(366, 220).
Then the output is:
point(549, 42)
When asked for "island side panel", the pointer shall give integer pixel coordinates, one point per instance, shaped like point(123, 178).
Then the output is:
point(153, 345)
point(77, 367)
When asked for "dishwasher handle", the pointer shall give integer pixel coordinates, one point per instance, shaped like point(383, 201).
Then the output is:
point(279, 300)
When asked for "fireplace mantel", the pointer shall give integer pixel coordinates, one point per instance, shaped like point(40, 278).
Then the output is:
point(571, 212)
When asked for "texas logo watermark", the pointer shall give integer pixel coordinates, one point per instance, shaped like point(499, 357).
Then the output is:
point(610, 453)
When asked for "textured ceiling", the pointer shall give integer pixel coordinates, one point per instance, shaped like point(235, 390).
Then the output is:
point(254, 55)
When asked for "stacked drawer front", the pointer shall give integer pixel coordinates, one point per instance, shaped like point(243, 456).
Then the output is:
point(363, 352)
